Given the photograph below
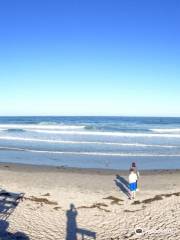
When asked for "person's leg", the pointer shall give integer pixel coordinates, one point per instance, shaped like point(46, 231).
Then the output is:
point(134, 189)
point(130, 191)
point(134, 194)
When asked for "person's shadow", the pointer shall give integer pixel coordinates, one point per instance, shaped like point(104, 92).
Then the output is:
point(72, 230)
point(4, 234)
point(123, 185)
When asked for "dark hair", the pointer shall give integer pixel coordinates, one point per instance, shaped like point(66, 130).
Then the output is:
point(133, 164)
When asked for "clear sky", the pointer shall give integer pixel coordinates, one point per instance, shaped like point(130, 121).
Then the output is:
point(90, 57)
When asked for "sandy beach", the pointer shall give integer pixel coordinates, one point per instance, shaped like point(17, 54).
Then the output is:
point(55, 203)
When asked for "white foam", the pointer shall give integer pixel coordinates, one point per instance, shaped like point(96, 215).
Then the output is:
point(116, 134)
point(108, 154)
point(75, 130)
point(39, 126)
point(13, 149)
point(86, 142)
point(92, 153)
point(166, 130)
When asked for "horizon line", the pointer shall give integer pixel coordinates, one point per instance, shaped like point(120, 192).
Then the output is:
point(155, 116)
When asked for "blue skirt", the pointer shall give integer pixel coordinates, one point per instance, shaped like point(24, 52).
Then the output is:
point(133, 186)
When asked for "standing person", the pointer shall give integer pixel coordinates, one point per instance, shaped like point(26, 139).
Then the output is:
point(132, 183)
point(134, 167)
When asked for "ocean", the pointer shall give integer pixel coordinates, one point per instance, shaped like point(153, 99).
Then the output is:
point(91, 142)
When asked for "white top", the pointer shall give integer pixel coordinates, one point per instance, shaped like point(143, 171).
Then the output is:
point(132, 177)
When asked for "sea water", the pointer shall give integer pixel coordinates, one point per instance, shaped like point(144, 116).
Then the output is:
point(91, 142)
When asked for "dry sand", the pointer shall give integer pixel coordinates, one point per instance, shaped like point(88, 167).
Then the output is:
point(72, 203)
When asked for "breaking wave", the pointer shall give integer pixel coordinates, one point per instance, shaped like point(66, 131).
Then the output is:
point(90, 153)
point(85, 142)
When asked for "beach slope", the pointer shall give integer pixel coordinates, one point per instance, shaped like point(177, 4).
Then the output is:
point(54, 203)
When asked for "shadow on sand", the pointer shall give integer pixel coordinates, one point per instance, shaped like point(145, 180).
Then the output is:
point(4, 234)
point(123, 185)
point(72, 231)
point(8, 202)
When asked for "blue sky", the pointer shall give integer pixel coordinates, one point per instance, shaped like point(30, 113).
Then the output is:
point(93, 57)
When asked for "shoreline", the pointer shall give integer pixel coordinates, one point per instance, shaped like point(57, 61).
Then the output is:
point(34, 167)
